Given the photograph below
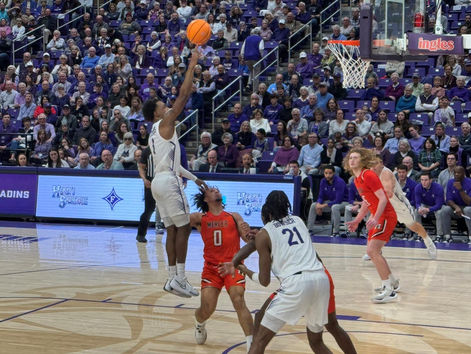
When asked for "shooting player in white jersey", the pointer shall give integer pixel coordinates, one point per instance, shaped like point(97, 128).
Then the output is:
point(285, 248)
point(404, 211)
point(167, 185)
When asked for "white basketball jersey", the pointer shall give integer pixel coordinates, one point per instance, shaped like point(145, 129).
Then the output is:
point(398, 192)
point(291, 248)
point(166, 153)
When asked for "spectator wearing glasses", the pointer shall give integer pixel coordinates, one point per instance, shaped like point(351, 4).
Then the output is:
point(108, 162)
point(125, 152)
point(84, 162)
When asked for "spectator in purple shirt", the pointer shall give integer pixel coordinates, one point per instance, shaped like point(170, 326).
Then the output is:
point(396, 89)
point(428, 198)
point(254, 104)
point(173, 25)
point(304, 68)
point(458, 200)
point(372, 90)
point(272, 111)
point(459, 92)
point(228, 153)
point(303, 16)
point(6, 136)
point(281, 36)
point(333, 197)
point(283, 156)
point(416, 141)
point(406, 183)
point(237, 117)
point(315, 57)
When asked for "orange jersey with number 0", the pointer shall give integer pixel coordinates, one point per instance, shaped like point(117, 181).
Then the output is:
point(220, 236)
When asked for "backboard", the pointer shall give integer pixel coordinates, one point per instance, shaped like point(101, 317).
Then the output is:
point(383, 28)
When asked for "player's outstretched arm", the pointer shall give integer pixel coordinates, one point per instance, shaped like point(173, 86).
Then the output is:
point(242, 226)
point(167, 126)
point(229, 267)
point(263, 244)
point(187, 174)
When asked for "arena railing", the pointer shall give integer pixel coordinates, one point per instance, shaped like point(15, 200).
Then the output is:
point(238, 91)
point(63, 16)
point(328, 13)
point(193, 127)
point(28, 42)
point(306, 28)
point(261, 62)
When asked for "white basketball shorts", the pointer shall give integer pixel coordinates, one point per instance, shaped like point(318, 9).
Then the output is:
point(306, 294)
point(404, 211)
point(167, 190)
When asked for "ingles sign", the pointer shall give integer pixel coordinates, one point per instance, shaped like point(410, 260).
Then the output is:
point(433, 44)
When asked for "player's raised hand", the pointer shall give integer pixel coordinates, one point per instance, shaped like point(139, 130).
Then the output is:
point(251, 235)
point(202, 184)
point(195, 56)
point(245, 228)
point(226, 269)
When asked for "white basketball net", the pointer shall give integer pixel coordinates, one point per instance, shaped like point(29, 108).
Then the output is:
point(353, 67)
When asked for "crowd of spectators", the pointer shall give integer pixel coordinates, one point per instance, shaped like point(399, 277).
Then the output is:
point(74, 99)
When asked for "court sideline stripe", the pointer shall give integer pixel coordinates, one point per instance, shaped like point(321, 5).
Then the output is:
point(35, 310)
point(181, 307)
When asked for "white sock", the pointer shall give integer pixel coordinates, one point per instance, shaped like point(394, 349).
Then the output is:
point(428, 241)
point(181, 270)
point(172, 271)
point(391, 278)
point(202, 324)
point(387, 283)
point(248, 340)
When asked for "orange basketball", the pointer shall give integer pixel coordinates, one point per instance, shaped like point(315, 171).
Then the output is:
point(198, 32)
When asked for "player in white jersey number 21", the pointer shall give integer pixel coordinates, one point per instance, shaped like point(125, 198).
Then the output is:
point(285, 248)
point(167, 185)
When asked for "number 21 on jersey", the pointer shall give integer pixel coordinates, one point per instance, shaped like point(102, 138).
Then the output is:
point(292, 240)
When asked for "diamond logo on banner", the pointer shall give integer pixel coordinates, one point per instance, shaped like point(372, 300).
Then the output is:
point(113, 198)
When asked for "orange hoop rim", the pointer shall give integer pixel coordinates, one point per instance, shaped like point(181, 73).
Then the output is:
point(353, 43)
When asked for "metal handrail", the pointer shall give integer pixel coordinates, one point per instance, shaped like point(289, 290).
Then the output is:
point(194, 126)
point(260, 62)
point(64, 15)
point(239, 92)
point(290, 47)
point(13, 50)
point(322, 22)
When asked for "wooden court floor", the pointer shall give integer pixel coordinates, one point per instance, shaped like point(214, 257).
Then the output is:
point(88, 289)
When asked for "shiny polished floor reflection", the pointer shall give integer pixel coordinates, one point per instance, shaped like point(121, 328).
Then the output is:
point(93, 289)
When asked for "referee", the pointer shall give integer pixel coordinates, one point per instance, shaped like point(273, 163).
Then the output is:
point(146, 172)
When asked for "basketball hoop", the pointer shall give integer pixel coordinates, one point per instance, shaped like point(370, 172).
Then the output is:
point(353, 66)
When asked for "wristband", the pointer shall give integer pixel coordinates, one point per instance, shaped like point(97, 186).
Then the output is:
point(255, 278)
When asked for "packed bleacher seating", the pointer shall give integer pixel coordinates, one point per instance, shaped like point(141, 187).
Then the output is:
point(74, 78)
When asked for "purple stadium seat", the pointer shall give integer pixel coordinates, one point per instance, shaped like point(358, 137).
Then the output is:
point(347, 105)
point(453, 131)
point(427, 130)
point(419, 118)
point(467, 107)
point(362, 103)
point(456, 105)
point(392, 116)
point(349, 115)
point(461, 118)
point(355, 94)
point(389, 105)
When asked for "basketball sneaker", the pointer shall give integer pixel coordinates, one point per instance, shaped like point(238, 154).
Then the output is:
point(431, 250)
point(366, 258)
point(182, 286)
point(387, 295)
point(200, 334)
point(168, 288)
point(159, 228)
point(395, 284)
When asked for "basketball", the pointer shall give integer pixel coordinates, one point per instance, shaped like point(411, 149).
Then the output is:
point(198, 32)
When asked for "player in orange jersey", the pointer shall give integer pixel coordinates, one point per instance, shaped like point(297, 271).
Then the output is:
point(221, 232)
point(383, 218)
